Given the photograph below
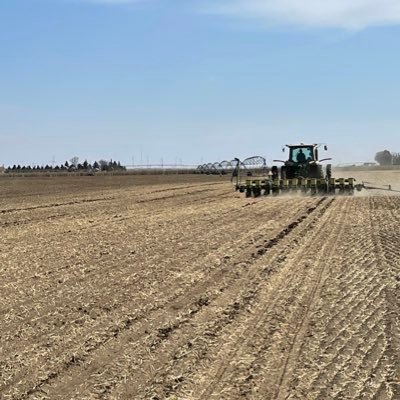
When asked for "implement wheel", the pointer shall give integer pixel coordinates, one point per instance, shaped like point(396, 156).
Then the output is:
point(328, 172)
point(275, 172)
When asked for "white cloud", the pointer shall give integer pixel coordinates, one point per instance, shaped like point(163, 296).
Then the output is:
point(346, 14)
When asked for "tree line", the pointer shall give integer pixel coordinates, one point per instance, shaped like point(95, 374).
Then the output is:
point(386, 157)
point(71, 166)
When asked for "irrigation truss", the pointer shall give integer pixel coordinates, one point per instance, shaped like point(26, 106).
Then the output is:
point(251, 165)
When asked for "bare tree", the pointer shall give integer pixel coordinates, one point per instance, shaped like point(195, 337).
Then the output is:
point(74, 161)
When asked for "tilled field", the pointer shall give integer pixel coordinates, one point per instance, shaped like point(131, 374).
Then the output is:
point(126, 289)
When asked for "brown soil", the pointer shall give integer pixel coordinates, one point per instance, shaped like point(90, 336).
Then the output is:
point(145, 288)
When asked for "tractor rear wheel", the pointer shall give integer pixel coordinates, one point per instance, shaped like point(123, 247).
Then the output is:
point(328, 172)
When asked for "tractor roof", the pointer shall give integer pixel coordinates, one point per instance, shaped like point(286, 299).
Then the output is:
point(302, 145)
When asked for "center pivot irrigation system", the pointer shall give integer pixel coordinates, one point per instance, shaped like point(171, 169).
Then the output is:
point(302, 172)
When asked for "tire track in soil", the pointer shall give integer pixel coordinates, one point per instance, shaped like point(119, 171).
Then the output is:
point(387, 244)
point(222, 227)
point(234, 218)
point(248, 345)
point(347, 350)
point(231, 308)
point(115, 221)
point(301, 329)
point(54, 205)
point(73, 360)
point(181, 303)
point(231, 303)
point(346, 346)
point(134, 213)
point(130, 198)
point(111, 198)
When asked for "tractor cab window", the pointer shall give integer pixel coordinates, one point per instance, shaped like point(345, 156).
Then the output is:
point(301, 154)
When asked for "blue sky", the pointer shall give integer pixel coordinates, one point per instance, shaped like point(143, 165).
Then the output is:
point(197, 81)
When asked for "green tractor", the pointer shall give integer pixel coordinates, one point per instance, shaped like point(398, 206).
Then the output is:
point(302, 172)
point(303, 163)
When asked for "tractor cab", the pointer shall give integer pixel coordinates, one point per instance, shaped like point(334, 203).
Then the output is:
point(303, 162)
point(302, 154)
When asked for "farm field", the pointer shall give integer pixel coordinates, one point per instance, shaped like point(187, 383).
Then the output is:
point(176, 287)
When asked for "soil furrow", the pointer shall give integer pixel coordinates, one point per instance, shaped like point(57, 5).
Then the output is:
point(178, 288)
